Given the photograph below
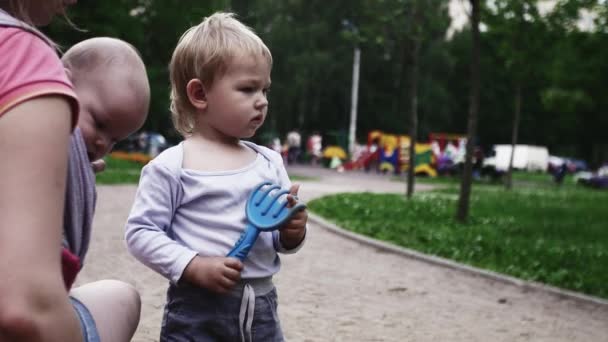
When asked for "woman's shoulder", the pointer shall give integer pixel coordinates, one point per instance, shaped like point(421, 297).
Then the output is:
point(30, 67)
point(8, 21)
point(25, 41)
point(21, 39)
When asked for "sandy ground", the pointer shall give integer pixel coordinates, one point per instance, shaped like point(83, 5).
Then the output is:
point(337, 289)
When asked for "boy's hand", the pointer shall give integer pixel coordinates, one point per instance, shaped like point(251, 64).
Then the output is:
point(218, 274)
point(292, 233)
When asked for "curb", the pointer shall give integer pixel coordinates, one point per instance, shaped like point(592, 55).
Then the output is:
point(431, 259)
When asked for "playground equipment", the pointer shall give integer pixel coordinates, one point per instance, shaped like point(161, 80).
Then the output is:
point(390, 153)
point(265, 213)
point(424, 157)
point(449, 151)
point(442, 154)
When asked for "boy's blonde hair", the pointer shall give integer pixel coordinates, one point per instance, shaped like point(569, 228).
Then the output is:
point(204, 52)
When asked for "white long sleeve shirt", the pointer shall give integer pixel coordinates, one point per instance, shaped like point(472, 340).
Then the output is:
point(180, 213)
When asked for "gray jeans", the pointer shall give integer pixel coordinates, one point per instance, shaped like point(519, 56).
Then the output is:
point(196, 314)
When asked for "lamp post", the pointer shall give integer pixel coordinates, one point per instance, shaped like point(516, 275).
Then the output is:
point(352, 130)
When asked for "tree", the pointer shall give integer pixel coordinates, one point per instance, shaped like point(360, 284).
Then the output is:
point(517, 27)
point(409, 29)
point(465, 184)
point(560, 68)
point(416, 36)
point(578, 81)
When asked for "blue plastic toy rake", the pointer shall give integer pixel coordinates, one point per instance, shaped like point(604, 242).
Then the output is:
point(265, 213)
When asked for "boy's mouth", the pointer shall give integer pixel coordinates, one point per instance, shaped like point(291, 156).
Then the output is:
point(258, 119)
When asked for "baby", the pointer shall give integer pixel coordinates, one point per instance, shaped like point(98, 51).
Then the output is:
point(112, 86)
point(111, 83)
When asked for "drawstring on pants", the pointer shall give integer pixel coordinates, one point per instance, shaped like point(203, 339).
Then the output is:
point(246, 312)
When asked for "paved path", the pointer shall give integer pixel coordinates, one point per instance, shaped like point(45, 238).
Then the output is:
point(337, 289)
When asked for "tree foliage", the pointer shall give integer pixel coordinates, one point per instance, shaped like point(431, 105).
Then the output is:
point(562, 68)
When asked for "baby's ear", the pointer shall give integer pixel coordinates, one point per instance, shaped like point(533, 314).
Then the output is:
point(196, 94)
point(68, 73)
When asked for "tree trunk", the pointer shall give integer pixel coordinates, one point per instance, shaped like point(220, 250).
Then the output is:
point(413, 119)
point(401, 72)
point(303, 106)
point(514, 134)
point(465, 186)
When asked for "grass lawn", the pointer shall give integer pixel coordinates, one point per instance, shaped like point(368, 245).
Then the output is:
point(549, 234)
point(127, 172)
point(519, 178)
point(298, 178)
point(119, 172)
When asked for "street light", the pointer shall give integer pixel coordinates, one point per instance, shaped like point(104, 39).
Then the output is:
point(352, 131)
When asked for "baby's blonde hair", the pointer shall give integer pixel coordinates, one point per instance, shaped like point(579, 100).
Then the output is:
point(204, 52)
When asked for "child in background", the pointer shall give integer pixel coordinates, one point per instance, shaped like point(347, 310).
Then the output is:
point(110, 81)
point(190, 205)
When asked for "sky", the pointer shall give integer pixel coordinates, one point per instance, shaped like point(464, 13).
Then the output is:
point(459, 10)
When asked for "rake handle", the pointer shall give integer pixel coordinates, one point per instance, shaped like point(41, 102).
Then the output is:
point(243, 245)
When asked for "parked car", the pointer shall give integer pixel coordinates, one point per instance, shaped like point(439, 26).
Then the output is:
point(573, 165)
point(597, 179)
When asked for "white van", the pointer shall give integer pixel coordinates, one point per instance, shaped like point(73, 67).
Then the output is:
point(527, 157)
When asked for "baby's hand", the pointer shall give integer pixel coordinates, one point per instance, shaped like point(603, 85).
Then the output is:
point(98, 166)
point(218, 274)
point(292, 233)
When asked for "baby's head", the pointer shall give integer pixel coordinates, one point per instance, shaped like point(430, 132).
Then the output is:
point(204, 55)
point(112, 86)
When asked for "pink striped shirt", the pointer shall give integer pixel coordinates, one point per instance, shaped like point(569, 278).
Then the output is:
point(30, 68)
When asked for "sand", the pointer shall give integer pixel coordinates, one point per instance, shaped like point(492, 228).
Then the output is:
point(337, 289)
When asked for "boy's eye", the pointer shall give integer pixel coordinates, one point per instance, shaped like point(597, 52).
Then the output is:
point(248, 89)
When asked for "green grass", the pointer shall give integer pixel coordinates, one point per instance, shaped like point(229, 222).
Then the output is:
point(119, 172)
point(520, 178)
point(548, 234)
point(127, 172)
point(298, 178)
point(429, 180)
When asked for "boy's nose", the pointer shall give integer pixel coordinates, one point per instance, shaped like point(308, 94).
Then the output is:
point(261, 102)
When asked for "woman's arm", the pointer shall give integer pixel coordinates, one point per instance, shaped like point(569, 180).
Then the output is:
point(34, 304)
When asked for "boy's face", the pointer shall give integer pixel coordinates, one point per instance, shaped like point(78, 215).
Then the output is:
point(236, 101)
point(110, 109)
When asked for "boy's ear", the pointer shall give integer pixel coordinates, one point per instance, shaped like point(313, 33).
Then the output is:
point(196, 94)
